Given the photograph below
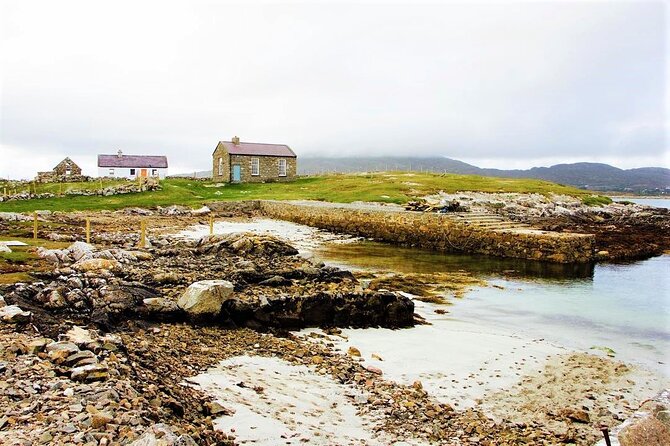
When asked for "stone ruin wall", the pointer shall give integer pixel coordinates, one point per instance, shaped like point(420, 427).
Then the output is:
point(437, 232)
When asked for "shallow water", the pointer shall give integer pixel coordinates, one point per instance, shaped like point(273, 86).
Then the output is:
point(656, 202)
point(624, 307)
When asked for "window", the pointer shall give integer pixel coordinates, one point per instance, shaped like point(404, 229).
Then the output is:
point(132, 171)
point(68, 172)
point(154, 172)
point(220, 166)
point(282, 167)
point(111, 171)
point(255, 166)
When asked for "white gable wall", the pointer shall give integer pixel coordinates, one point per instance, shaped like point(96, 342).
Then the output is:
point(125, 172)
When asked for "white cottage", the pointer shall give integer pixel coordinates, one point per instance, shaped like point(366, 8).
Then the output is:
point(132, 166)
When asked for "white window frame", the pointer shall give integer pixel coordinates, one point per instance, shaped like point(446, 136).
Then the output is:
point(282, 166)
point(220, 169)
point(154, 172)
point(111, 171)
point(255, 167)
point(133, 171)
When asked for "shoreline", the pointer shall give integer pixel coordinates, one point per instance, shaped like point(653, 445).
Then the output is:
point(409, 392)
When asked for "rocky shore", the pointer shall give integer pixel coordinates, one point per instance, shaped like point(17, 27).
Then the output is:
point(100, 344)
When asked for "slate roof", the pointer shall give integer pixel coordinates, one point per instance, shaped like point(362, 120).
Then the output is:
point(258, 149)
point(145, 161)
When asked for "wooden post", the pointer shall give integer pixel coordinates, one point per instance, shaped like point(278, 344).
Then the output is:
point(5, 191)
point(60, 189)
point(88, 230)
point(143, 233)
point(211, 225)
point(35, 225)
point(100, 184)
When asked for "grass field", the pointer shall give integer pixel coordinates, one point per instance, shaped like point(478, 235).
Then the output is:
point(390, 187)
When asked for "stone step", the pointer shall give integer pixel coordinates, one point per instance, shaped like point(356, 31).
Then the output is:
point(480, 220)
point(500, 226)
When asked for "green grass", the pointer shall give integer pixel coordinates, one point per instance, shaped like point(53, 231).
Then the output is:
point(393, 187)
point(596, 200)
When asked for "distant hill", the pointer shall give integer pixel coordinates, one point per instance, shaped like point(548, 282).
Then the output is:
point(590, 176)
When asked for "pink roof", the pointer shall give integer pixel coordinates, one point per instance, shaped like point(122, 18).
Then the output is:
point(145, 161)
point(258, 149)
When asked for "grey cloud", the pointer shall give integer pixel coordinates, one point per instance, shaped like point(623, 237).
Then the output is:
point(492, 81)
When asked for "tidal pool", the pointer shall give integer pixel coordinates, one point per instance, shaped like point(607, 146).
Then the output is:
point(621, 307)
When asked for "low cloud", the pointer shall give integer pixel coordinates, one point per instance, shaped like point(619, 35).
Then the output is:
point(504, 82)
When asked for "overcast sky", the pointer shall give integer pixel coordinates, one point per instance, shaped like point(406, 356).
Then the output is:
point(502, 84)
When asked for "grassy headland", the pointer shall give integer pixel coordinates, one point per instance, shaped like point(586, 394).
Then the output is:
point(390, 187)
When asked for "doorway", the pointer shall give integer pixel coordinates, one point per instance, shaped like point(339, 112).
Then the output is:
point(237, 173)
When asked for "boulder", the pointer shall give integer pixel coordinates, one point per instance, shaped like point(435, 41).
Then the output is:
point(4, 249)
point(166, 278)
point(205, 297)
point(2, 302)
point(245, 243)
point(97, 265)
point(13, 314)
point(14, 216)
point(160, 305)
point(89, 372)
point(202, 211)
point(576, 415)
point(54, 256)
point(80, 250)
point(78, 336)
point(648, 431)
point(174, 210)
point(59, 351)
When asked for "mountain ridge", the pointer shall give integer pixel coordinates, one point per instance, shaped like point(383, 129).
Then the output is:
point(590, 176)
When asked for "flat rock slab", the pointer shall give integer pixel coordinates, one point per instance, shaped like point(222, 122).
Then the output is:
point(13, 243)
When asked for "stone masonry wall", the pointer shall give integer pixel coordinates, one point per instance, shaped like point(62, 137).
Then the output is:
point(268, 168)
point(437, 231)
point(225, 175)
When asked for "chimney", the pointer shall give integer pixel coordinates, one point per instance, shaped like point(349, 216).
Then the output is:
point(119, 153)
point(236, 140)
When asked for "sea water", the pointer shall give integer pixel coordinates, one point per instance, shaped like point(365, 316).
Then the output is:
point(655, 202)
point(623, 308)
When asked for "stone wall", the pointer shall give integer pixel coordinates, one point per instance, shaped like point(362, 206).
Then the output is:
point(437, 231)
point(225, 174)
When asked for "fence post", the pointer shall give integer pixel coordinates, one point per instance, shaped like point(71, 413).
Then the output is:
point(143, 233)
point(88, 230)
point(100, 184)
point(60, 189)
point(211, 225)
point(35, 225)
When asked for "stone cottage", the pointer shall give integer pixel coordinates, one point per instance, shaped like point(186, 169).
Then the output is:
point(66, 170)
point(250, 162)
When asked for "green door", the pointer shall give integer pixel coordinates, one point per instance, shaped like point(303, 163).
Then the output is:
point(237, 173)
